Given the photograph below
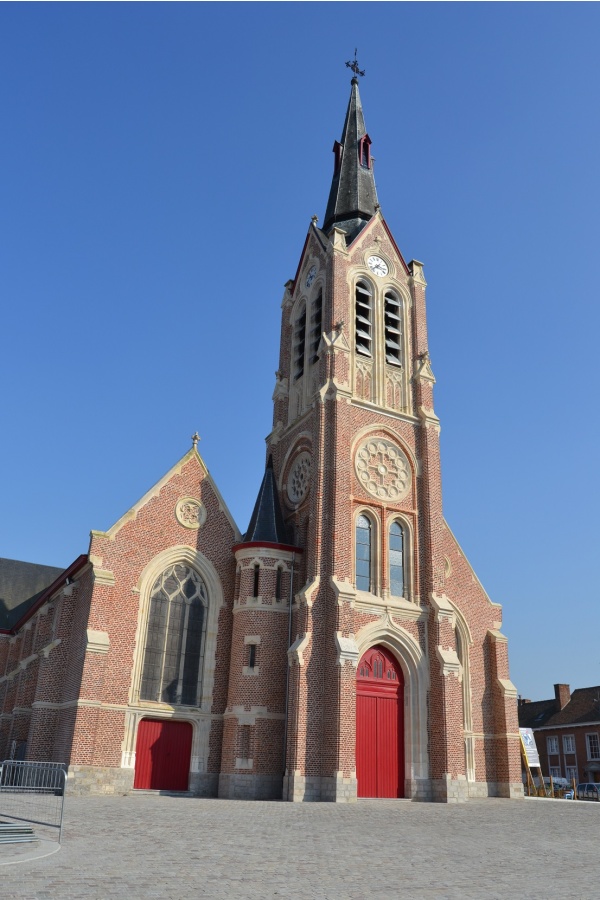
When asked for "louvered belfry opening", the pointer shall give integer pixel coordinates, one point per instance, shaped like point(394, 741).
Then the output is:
point(393, 330)
point(316, 326)
point(299, 342)
point(363, 324)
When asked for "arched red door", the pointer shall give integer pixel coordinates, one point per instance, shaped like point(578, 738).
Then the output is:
point(379, 725)
point(162, 755)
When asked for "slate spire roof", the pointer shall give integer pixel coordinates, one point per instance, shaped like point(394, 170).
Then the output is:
point(266, 524)
point(353, 196)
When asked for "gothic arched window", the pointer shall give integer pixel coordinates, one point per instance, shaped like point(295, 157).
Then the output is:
point(393, 329)
point(364, 540)
point(396, 560)
point(172, 668)
point(363, 318)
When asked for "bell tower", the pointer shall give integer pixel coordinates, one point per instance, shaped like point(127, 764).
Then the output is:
point(354, 460)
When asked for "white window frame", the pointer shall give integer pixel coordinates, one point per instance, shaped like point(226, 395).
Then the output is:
point(376, 531)
point(573, 776)
point(555, 772)
point(552, 745)
point(588, 743)
point(569, 743)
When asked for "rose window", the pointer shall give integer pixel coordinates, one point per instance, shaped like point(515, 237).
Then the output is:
point(299, 479)
point(383, 469)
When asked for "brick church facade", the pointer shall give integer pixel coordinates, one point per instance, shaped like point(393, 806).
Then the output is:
point(341, 647)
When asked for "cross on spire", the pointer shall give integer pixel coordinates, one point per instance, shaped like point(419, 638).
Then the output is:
point(195, 438)
point(353, 64)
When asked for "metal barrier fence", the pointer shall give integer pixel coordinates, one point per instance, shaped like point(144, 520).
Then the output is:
point(33, 792)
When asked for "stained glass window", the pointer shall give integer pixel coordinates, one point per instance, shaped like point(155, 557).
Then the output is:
point(174, 648)
point(363, 553)
point(396, 560)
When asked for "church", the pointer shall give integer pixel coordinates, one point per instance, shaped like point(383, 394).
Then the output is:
point(342, 647)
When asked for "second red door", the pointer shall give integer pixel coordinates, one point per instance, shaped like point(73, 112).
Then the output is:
point(162, 755)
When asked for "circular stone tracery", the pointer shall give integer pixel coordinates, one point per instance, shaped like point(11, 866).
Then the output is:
point(190, 512)
point(383, 469)
point(299, 478)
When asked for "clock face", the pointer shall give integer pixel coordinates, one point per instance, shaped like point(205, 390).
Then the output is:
point(377, 265)
point(311, 276)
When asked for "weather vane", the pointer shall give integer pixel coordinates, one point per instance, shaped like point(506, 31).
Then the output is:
point(354, 65)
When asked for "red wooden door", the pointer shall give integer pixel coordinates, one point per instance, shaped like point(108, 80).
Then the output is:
point(379, 725)
point(162, 755)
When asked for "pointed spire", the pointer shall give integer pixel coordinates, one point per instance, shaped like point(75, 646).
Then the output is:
point(353, 196)
point(266, 524)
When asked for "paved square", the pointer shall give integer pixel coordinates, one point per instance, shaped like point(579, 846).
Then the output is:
point(147, 846)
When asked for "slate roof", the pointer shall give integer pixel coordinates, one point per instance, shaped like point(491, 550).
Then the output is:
point(266, 523)
point(21, 583)
point(584, 706)
point(353, 195)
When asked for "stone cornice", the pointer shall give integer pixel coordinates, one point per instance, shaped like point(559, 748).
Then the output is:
point(344, 591)
point(296, 651)
point(347, 649)
point(449, 662)
point(443, 608)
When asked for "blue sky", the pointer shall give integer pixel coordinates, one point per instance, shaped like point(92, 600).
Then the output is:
point(161, 163)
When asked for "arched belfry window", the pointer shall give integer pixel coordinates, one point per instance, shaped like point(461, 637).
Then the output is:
point(364, 548)
point(363, 319)
point(396, 560)
point(393, 329)
point(316, 326)
point(172, 668)
point(364, 152)
point(299, 342)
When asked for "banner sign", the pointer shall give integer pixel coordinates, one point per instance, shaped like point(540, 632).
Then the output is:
point(529, 746)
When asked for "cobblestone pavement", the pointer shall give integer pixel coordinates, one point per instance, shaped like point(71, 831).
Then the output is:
point(148, 846)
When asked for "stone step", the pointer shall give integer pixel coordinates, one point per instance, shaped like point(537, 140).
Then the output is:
point(12, 833)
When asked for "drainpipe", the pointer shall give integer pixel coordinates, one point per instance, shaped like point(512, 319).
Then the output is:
point(287, 668)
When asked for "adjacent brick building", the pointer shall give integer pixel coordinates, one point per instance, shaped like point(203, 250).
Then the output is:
point(342, 646)
point(567, 732)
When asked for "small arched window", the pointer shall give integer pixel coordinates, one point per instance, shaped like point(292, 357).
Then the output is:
point(393, 329)
point(396, 560)
point(316, 325)
point(172, 668)
point(363, 319)
point(364, 540)
point(299, 342)
point(364, 152)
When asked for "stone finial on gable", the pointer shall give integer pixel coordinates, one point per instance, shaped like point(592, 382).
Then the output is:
point(339, 240)
point(423, 367)
point(416, 270)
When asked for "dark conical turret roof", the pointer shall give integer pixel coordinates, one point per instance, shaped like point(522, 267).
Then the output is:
point(353, 196)
point(266, 524)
